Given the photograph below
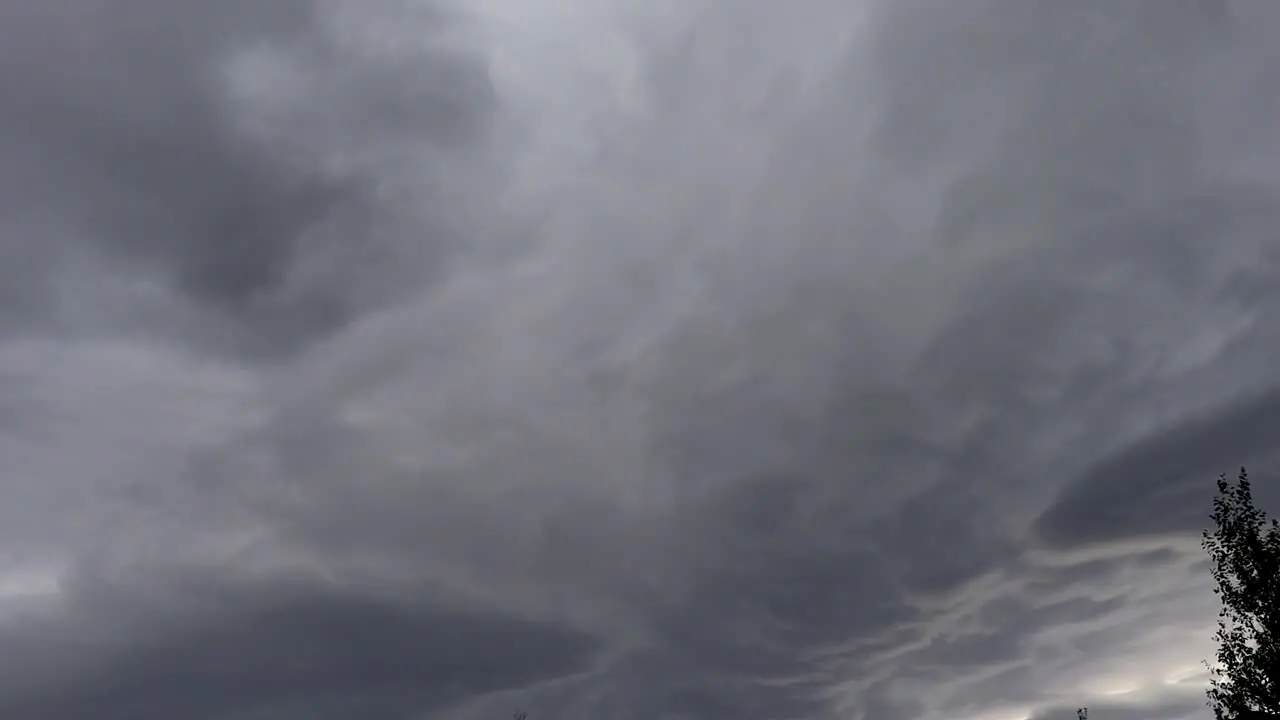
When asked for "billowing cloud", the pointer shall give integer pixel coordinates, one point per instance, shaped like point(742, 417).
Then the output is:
point(707, 359)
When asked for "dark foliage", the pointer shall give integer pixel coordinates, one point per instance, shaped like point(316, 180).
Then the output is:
point(1244, 550)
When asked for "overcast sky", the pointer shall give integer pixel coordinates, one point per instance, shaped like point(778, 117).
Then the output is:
point(632, 359)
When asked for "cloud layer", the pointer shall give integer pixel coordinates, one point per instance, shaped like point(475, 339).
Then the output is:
point(708, 359)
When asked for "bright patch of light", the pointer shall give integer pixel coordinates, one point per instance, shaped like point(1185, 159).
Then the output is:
point(26, 587)
point(1190, 672)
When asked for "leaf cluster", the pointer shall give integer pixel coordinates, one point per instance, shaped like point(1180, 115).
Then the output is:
point(1244, 552)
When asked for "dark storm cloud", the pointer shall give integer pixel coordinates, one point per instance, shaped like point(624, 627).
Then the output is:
point(119, 133)
point(853, 442)
point(197, 645)
point(115, 102)
point(787, 361)
point(1157, 486)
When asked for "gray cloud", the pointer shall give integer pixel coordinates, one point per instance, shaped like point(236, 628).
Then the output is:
point(626, 359)
point(1156, 486)
point(197, 645)
point(125, 144)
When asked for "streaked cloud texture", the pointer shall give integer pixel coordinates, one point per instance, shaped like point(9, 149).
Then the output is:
point(654, 359)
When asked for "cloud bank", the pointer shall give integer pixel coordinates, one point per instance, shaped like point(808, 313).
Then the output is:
point(703, 359)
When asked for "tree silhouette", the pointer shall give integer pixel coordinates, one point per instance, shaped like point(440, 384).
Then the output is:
point(1244, 550)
